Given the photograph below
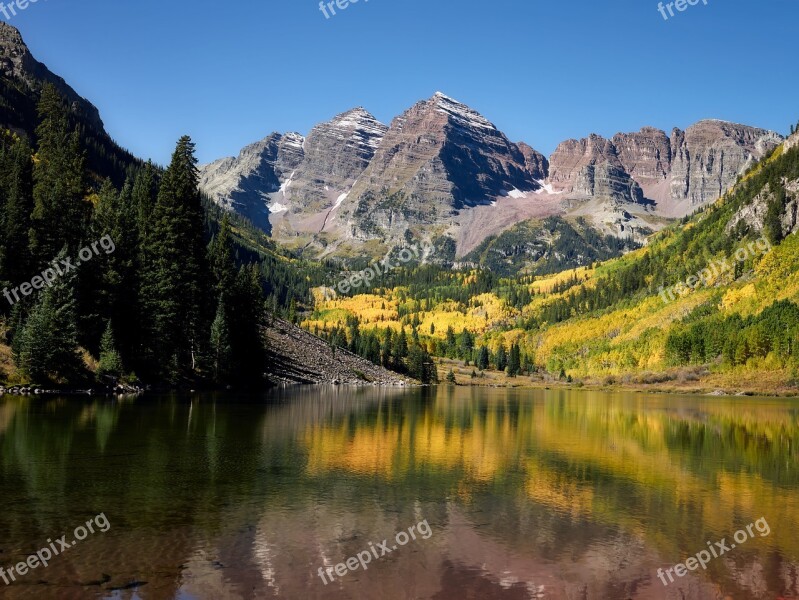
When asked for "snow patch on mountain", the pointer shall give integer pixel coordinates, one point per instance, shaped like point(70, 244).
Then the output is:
point(546, 188)
point(462, 114)
point(339, 200)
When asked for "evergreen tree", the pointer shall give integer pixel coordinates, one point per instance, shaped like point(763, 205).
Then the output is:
point(145, 194)
point(110, 364)
point(450, 342)
point(222, 259)
point(387, 348)
point(109, 284)
point(772, 222)
point(514, 361)
point(60, 212)
point(17, 192)
point(372, 348)
point(47, 348)
point(466, 344)
point(221, 350)
point(174, 286)
point(502, 358)
point(421, 366)
point(400, 349)
point(482, 358)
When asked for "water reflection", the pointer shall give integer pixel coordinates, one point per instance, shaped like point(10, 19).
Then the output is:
point(530, 494)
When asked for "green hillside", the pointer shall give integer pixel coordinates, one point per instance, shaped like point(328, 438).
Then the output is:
point(714, 298)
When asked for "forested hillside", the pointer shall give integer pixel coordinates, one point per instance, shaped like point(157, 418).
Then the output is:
point(142, 281)
point(734, 318)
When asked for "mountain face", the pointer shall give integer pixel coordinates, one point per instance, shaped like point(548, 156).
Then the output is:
point(245, 183)
point(592, 168)
point(708, 157)
point(21, 80)
point(284, 180)
point(442, 171)
point(678, 173)
point(336, 153)
point(17, 63)
point(445, 152)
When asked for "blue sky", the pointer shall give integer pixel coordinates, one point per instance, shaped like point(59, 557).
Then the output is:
point(229, 73)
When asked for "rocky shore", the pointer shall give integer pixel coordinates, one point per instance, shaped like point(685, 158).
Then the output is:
point(34, 390)
point(297, 357)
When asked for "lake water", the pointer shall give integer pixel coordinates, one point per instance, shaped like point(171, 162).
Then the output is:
point(527, 494)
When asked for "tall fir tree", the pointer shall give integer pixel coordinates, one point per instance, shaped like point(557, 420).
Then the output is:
point(17, 197)
point(60, 211)
point(110, 285)
point(221, 350)
point(175, 286)
point(222, 259)
point(502, 358)
point(145, 195)
point(482, 358)
point(514, 361)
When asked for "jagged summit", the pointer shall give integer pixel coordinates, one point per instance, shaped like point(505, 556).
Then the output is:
point(461, 113)
point(443, 169)
point(365, 129)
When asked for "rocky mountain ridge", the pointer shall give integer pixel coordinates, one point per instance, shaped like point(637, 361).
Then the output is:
point(442, 171)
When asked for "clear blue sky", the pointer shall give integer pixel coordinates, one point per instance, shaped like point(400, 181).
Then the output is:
point(229, 73)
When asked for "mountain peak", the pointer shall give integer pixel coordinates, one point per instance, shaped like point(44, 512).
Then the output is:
point(357, 117)
point(17, 62)
point(356, 124)
point(461, 113)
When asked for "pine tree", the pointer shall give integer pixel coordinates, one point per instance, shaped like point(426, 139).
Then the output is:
point(246, 318)
point(60, 212)
point(372, 348)
point(48, 343)
point(482, 358)
point(107, 283)
point(502, 358)
point(17, 164)
point(514, 361)
point(450, 343)
point(467, 344)
point(400, 349)
point(221, 350)
point(387, 348)
point(110, 364)
point(221, 257)
point(421, 366)
point(175, 288)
